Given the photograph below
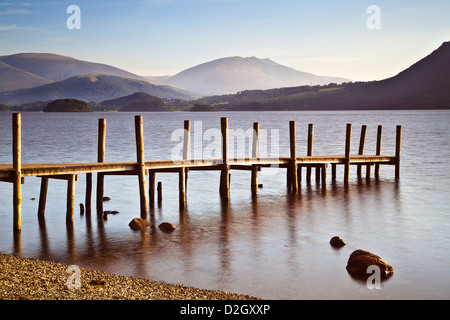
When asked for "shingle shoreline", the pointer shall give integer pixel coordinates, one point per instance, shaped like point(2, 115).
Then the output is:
point(32, 279)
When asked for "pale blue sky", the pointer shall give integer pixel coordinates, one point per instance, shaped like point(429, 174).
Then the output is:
point(159, 37)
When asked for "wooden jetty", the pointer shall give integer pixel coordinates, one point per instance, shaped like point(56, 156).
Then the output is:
point(17, 171)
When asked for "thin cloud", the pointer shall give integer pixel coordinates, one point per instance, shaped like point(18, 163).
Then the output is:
point(15, 11)
point(20, 4)
point(11, 27)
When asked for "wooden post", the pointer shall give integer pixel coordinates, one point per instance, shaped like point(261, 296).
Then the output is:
point(159, 192)
point(139, 132)
point(309, 149)
point(348, 138)
point(100, 158)
point(43, 197)
point(70, 197)
point(378, 150)
point(186, 141)
point(87, 200)
point(151, 187)
point(293, 164)
point(362, 139)
point(182, 186)
point(324, 175)
point(398, 140)
point(17, 166)
point(299, 177)
point(183, 173)
point(333, 172)
point(225, 172)
point(255, 168)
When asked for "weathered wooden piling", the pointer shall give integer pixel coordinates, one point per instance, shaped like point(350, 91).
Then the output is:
point(362, 140)
point(139, 132)
point(43, 197)
point(255, 168)
point(398, 141)
point(183, 171)
point(151, 187)
point(101, 148)
point(292, 170)
point(225, 171)
point(71, 178)
point(88, 196)
point(309, 149)
point(17, 162)
point(378, 149)
point(159, 192)
point(348, 138)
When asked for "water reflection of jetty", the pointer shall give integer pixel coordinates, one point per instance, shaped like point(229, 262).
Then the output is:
point(17, 171)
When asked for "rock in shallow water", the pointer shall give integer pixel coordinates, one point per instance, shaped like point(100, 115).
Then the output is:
point(139, 224)
point(337, 242)
point(360, 260)
point(167, 227)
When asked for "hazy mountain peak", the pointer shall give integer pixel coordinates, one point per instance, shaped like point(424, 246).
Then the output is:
point(233, 74)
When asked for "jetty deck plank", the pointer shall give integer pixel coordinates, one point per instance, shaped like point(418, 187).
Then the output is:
point(49, 169)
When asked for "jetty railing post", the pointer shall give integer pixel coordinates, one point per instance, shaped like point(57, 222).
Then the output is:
point(139, 132)
point(183, 172)
point(225, 172)
point(255, 168)
point(309, 149)
point(362, 140)
point(293, 165)
point(348, 138)
point(100, 159)
point(378, 150)
point(398, 140)
point(17, 166)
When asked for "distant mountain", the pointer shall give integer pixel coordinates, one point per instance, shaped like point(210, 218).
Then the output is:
point(424, 85)
point(90, 88)
point(49, 68)
point(233, 74)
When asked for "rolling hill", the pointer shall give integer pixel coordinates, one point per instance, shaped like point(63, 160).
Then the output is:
point(90, 88)
point(233, 74)
point(52, 68)
point(13, 78)
point(138, 101)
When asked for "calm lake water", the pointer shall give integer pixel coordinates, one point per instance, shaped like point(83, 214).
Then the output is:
point(275, 246)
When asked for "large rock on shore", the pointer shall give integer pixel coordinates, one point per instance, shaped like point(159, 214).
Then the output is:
point(139, 224)
point(360, 260)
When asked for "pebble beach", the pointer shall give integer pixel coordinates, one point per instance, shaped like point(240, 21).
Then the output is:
point(31, 279)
